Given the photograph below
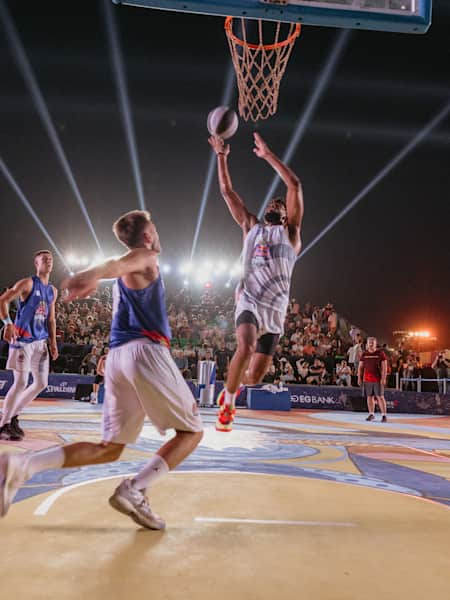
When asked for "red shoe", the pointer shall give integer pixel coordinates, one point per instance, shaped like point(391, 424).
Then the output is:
point(221, 395)
point(226, 414)
point(225, 417)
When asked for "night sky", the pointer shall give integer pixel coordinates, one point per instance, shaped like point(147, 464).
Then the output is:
point(385, 266)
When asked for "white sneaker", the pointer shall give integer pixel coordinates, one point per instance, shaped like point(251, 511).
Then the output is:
point(12, 477)
point(132, 502)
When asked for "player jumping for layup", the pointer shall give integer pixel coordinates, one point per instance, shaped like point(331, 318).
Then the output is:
point(269, 254)
point(141, 378)
point(27, 336)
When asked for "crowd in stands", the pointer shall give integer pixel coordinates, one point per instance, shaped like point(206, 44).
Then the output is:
point(319, 347)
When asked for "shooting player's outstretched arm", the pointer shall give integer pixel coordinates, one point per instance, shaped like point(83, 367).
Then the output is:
point(294, 193)
point(234, 202)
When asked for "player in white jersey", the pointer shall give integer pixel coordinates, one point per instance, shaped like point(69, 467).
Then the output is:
point(269, 254)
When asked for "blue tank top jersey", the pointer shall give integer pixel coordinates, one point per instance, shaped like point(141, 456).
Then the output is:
point(31, 321)
point(139, 314)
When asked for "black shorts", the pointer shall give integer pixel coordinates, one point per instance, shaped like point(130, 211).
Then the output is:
point(267, 342)
point(99, 379)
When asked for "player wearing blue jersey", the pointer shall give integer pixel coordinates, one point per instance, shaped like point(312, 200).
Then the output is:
point(141, 379)
point(268, 257)
point(33, 327)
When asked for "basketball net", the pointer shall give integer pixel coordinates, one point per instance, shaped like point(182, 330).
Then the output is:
point(260, 66)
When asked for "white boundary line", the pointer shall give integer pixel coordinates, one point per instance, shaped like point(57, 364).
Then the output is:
point(272, 522)
point(45, 506)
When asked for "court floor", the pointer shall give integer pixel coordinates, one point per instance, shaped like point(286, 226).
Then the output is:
point(311, 504)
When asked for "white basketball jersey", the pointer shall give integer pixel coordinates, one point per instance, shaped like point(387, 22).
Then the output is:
point(268, 261)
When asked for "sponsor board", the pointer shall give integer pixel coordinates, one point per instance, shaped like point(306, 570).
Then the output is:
point(64, 386)
point(61, 386)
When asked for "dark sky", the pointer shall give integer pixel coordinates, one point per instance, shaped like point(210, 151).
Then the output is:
point(385, 266)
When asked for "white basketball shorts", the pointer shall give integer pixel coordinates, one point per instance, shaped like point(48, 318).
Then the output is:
point(269, 320)
point(29, 357)
point(142, 379)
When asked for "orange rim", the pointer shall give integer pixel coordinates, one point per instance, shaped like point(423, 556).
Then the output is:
point(286, 42)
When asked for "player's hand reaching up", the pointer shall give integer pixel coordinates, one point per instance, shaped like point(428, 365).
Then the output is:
point(218, 145)
point(261, 149)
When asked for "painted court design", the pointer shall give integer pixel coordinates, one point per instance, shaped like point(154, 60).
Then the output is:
point(311, 504)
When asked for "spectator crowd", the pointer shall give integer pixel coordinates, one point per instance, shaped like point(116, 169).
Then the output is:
point(318, 346)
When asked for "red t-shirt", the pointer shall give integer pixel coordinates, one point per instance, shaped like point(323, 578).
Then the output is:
point(372, 365)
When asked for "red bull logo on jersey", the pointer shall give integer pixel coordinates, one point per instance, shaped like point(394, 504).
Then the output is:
point(261, 253)
point(41, 312)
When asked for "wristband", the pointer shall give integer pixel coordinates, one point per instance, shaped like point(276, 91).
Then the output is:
point(7, 321)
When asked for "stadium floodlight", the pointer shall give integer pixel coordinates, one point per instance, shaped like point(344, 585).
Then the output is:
point(166, 268)
point(97, 260)
point(222, 266)
point(186, 267)
point(84, 261)
point(236, 270)
point(185, 282)
point(201, 277)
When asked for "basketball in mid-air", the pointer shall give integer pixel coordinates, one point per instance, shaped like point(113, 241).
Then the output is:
point(223, 122)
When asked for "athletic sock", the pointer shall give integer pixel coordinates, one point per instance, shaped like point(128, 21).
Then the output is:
point(44, 460)
point(153, 470)
point(229, 398)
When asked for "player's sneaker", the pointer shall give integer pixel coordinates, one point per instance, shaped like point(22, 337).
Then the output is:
point(225, 417)
point(16, 427)
point(384, 419)
point(132, 502)
point(370, 418)
point(12, 477)
point(7, 432)
point(221, 395)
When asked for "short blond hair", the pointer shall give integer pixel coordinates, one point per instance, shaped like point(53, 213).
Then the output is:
point(39, 252)
point(129, 228)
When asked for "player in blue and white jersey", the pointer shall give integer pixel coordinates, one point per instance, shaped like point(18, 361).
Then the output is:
point(141, 379)
point(33, 328)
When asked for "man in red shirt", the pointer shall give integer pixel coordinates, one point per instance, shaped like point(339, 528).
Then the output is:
point(372, 372)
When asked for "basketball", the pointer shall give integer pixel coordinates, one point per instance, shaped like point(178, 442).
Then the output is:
point(222, 121)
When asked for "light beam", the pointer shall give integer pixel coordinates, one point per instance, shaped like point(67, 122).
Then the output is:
point(13, 183)
point(303, 122)
point(421, 135)
point(24, 65)
point(226, 100)
point(124, 100)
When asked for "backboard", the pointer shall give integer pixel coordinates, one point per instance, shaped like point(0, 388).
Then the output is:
point(404, 16)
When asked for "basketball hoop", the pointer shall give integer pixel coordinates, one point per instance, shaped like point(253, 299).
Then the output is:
point(260, 66)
